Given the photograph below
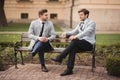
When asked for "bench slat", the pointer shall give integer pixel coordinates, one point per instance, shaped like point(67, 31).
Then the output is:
point(26, 49)
point(56, 50)
point(24, 35)
point(26, 40)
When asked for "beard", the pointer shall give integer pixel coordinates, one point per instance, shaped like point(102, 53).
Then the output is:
point(45, 19)
point(83, 19)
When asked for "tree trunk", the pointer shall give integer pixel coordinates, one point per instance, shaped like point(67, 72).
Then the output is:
point(71, 13)
point(3, 20)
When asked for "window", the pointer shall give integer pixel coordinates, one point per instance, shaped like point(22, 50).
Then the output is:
point(53, 16)
point(24, 15)
point(53, 0)
point(24, 0)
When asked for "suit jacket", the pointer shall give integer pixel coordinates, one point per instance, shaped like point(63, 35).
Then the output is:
point(87, 33)
point(35, 29)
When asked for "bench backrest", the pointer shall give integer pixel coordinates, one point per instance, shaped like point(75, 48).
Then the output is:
point(58, 40)
point(25, 38)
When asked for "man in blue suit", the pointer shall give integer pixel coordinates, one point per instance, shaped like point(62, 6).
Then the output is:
point(82, 38)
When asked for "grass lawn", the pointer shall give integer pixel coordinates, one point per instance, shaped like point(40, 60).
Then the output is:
point(21, 27)
point(101, 39)
point(107, 39)
point(15, 27)
point(9, 37)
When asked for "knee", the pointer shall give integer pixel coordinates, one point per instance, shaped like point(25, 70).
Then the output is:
point(74, 41)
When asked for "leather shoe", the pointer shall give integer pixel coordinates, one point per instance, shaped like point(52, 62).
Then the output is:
point(57, 59)
point(44, 69)
point(67, 72)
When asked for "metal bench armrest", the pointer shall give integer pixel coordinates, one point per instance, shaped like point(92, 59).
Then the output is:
point(17, 45)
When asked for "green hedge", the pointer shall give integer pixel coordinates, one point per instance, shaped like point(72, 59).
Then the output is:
point(11, 44)
point(113, 66)
point(102, 51)
point(6, 57)
point(7, 44)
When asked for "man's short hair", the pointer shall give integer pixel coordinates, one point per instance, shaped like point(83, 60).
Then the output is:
point(85, 11)
point(42, 11)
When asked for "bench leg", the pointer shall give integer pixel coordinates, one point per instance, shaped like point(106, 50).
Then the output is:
point(93, 61)
point(21, 58)
point(15, 59)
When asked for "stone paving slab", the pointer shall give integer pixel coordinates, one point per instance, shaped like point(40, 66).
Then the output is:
point(33, 72)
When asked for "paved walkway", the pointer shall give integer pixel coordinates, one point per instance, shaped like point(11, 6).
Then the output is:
point(33, 72)
point(68, 29)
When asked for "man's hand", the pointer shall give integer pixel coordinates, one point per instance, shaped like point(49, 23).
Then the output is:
point(63, 35)
point(72, 37)
point(43, 39)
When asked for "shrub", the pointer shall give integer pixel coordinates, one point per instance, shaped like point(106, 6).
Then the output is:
point(113, 65)
point(1, 65)
point(7, 44)
point(6, 57)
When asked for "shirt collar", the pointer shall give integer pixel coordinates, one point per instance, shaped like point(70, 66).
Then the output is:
point(86, 20)
point(41, 21)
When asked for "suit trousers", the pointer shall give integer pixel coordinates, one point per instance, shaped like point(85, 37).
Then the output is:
point(40, 48)
point(74, 47)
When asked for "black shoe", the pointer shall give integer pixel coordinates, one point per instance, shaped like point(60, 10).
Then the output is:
point(44, 69)
point(67, 72)
point(57, 59)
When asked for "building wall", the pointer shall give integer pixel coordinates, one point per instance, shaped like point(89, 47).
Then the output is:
point(14, 8)
point(106, 13)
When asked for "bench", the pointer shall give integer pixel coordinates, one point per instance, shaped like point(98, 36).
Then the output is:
point(19, 47)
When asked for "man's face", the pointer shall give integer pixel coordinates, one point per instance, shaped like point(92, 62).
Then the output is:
point(44, 17)
point(82, 16)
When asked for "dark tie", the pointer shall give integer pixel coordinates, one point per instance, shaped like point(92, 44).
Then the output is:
point(81, 26)
point(42, 29)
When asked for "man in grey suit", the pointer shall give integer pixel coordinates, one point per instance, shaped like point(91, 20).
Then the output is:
point(82, 39)
point(41, 31)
